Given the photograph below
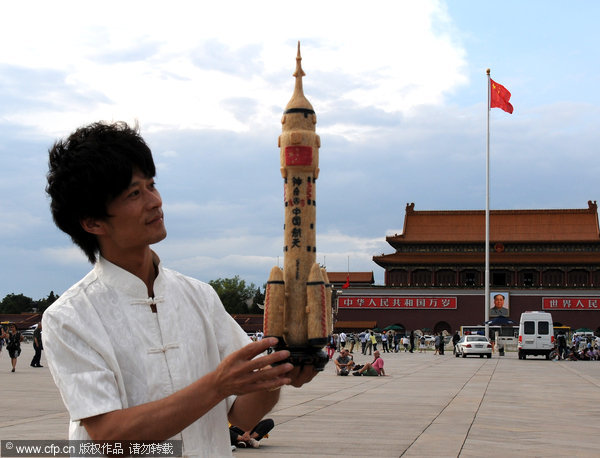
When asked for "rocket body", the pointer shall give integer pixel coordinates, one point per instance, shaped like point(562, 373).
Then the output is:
point(306, 295)
point(299, 156)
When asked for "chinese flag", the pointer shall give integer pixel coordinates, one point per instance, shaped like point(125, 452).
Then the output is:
point(500, 97)
point(347, 284)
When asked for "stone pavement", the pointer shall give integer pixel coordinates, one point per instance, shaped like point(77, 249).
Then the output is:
point(429, 406)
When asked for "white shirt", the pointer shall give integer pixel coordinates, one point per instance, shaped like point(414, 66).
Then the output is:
point(106, 349)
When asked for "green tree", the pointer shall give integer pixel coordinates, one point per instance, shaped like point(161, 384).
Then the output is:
point(42, 304)
point(237, 296)
point(16, 303)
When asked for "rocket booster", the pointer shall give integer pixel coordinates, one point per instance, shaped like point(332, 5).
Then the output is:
point(307, 295)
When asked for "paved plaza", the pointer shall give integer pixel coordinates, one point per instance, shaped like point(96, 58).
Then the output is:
point(429, 406)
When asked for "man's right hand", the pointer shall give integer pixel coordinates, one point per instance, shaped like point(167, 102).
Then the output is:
point(243, 371)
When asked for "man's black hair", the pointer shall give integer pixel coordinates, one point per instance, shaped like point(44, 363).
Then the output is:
point(88, 170)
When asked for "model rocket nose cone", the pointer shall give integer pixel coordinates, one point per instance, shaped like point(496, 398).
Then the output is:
point(298, 99)
point(315, 274)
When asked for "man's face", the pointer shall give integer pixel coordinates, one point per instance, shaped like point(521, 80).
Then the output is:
point(376, 354)
point(135, 218)
point(498, 301)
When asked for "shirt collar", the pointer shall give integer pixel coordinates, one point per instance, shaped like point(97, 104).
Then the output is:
point(122, 280)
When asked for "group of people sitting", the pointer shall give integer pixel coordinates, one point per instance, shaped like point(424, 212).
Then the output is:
point(582, 348)
point(344, 365)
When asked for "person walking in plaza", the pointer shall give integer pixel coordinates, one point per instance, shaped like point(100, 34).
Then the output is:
point(405, 343)
point(455, 339)
point(352, 340)
point(422, 344)
point(373, 339)
point(562, 345)
point(37, 346)
point(384, 342)
point(342, 340)
point(331, 346)
point(363, 336)
point(436, 344)
point(412, 341)
point(3, 337)
point(13, 345)
point(369, 346)
point(139, 351)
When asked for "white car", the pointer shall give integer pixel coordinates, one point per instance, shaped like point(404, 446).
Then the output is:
point(474, 345)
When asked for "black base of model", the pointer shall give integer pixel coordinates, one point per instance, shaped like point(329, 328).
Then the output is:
point(311, 354)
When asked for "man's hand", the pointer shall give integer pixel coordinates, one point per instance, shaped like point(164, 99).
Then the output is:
point(243, 372)
point(300, 375)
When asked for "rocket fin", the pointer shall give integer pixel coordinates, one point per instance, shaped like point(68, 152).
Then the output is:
point(328, 303)
point(316, 304)
point(274, 304)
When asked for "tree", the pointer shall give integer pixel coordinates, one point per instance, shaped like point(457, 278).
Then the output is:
point(16, 303)
point(42, 304)
point(237, 297)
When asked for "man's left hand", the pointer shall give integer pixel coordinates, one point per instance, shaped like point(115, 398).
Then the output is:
point(301, 375)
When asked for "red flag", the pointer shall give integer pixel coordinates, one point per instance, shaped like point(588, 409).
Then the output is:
point(347, 284)
point(500, 97)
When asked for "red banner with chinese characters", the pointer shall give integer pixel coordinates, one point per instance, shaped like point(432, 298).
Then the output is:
point(571, 303)
point(398, 302)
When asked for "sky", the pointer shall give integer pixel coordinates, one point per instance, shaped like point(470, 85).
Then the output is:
point(399, 88)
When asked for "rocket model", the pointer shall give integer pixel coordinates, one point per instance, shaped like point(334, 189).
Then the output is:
point(298, 298)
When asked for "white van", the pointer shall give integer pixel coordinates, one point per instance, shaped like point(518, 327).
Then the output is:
point(536, 334)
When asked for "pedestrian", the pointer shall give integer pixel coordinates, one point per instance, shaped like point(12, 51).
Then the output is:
point(412, 341)
point(373, 338)
point(422, 344)
point(342, 340)
point(37, 346)
point(396, 342)
point(363, 336)
point(455, 339)
point(436, 344)
point(331, 346)
point(13, 345)
point(369, 347)
point(562, 345)
point(352, 339)
point(384, 342)
point(3, 337)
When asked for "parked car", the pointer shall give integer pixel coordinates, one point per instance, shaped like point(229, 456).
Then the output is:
point(28, 333)
point(474, 345)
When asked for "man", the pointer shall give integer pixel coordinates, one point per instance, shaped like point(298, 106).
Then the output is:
point(455, 339)
point(342, 340)
point(363, 342)
point(343, 363)
point(117, 342)
point(562, 345)
point(372, 369)
point(499, 309)
point(384, 342)
point(37, 346)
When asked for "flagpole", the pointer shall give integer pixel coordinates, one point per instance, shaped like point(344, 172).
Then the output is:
point(487, 212)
